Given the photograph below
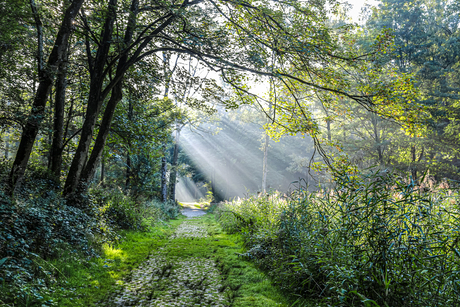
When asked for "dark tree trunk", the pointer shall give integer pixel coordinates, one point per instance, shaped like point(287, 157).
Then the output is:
point(377, 137)
point(7, 144)
point(102, 179)
point(81, 173)
point(116, 96)
point(413, 166)
point(41, 96)
point(164, 165)
point(128, 154)
point(173, 174)
point(95, 100)
point(58, 123)
point(89, 170)
point(164, 183)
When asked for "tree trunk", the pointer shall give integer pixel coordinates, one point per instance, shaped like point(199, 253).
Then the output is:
point(374, 120)
point(7, 143)
point(164, 165)
point(173, 174)
point(117, 94)
point(164, 183)
point(329, 132)
point(95, 100)
point(265, 164)
point(58, 124)
point(265, 161)
point(128, 154)
point(89, 170)
point(102, 179)
point(413, 166)
point(81, 173)
point(41, 96)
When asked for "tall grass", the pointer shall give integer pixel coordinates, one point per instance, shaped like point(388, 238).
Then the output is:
point(373, 240)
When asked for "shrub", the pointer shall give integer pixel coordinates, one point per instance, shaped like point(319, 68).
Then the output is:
point(33, 230)
point(39, 225)
point(372, 240)
point(163, 211)
point(121, 211)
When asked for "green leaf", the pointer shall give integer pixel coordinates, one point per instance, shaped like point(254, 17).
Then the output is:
point(3, 260)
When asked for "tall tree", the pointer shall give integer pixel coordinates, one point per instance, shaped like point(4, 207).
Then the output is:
point(46, 77)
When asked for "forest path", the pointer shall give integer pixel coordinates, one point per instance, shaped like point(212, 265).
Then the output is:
point(198, 266)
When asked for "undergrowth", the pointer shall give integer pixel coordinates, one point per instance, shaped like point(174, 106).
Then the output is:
point(373, 240)
point(38, 227)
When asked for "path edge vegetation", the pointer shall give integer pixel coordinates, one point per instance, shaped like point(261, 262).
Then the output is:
point(88, 272)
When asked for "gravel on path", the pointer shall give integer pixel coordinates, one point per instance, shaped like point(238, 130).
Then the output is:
point(184, 281)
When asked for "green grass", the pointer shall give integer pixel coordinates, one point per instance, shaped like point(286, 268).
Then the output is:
point(375, 240)
point(82, 282)
point(255, 287)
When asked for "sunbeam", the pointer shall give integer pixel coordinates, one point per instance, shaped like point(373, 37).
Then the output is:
point(231, 160)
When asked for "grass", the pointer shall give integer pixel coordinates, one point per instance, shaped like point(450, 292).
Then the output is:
point(84, 282)
point(375, 240)
point(77, 281)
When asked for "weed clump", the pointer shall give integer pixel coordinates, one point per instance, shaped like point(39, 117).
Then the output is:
point(374, 239)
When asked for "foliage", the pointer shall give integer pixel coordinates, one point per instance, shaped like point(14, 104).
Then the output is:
point(426, 44)
point(373, 239)
point(163, 211)
point(38, 226)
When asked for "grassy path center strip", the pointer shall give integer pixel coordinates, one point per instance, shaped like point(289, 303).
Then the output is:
point(198, 266)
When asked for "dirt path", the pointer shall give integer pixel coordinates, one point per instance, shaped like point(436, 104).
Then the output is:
point(198, 266)
point(171, 277)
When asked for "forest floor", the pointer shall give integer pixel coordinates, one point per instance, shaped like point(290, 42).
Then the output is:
point(198, 265)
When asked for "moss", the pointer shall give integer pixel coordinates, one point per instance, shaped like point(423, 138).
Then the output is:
point(98, 281)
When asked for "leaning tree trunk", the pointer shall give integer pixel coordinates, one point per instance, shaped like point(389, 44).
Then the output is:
point(41, 96)
point(116, 96)
point(95, 100)
point(102, 179)
point(81, 173)
point(90, 169)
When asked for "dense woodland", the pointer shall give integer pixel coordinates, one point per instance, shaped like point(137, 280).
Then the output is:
point(346, 134)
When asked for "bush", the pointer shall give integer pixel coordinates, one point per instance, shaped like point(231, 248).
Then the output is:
point(123, 212)
point(374, 240)
point(34, 230)
point(39, 225)
point(163, 211)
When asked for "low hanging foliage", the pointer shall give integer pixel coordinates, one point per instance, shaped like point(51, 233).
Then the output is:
point(374, 239)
